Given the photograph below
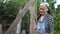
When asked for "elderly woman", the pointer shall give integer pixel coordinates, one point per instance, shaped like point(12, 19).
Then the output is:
point(45, 23)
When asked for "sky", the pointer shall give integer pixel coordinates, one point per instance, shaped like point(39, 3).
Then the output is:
point(57, 3)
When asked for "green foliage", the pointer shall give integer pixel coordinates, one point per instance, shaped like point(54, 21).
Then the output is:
point(26, 22)
point(37, 5)
point(9, 9)
point(58, 9)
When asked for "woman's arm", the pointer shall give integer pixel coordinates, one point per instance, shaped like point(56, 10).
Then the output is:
point(51, 21)
point(35, 27)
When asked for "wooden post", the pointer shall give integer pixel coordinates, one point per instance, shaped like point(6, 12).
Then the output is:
point(32, 18)
point(18, 27)
point(0, 29)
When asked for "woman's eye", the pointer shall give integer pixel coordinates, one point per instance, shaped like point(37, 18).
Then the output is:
point(41, 8)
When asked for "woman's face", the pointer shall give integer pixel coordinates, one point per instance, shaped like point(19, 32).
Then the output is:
point(43, 9)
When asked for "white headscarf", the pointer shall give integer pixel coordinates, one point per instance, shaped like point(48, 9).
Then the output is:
point(45, 3)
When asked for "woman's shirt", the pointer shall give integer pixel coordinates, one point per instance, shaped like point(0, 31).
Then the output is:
point(41, 27)
point(46, 26)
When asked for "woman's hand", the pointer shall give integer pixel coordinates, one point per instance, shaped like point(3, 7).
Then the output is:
point(35, 27)
point(52, 33)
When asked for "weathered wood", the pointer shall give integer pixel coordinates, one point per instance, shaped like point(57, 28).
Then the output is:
point(19, 17)
point(32, 19)
point(23, 32)
point(18, 27)
point(0, 29)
